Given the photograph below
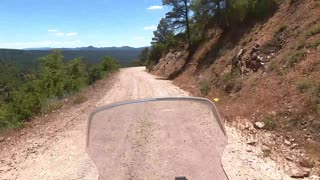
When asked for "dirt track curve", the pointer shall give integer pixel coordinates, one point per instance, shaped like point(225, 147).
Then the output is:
point(56, 149)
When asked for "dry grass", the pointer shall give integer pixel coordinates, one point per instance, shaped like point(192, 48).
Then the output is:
point(314, 44)
point(79, 99)
point(295, 57)
point(274, 66)
point(304, 84)
point(51, 105)
point(313, 31)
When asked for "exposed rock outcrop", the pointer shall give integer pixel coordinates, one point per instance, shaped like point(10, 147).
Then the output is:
point(170, 64)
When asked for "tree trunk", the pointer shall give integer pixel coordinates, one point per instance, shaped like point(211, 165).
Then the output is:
point(227, 12)
point(187, 23)
point(219, 12)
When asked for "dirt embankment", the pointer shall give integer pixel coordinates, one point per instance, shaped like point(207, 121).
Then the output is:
point(267, 74)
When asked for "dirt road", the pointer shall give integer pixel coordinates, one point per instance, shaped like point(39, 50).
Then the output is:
point(56, 149)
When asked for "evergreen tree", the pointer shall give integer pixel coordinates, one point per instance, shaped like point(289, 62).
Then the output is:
point(178, 17)
point(162, 33)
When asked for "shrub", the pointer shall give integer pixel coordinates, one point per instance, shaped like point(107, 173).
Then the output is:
point(29, 99)
point(52, 74)
point(51, 105)
point(270, 123)
point(231, 81)
point(155, 55)
point(314, 44)
point(205, 87)
point(8, 119)
point(311, 87)
point(109, 64)
point(315, 104)
point(156, 52)
point(75, 76)
point(305, 84)
point(273, 66)
point(295, 57)
point(301, 44)
point(313, 31)
point(150, 65)
point(96, 73)
point(282, 28)
point(235, 73)
point(143, 57)
point(233, 86)
point(244, 10)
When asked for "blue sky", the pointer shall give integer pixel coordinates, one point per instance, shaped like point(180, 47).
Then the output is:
point(78, 23)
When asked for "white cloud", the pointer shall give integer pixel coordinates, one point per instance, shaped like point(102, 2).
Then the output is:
point(152, 27)
point(35, 44)
point(72, 34)
point(60, 34)
point(52, 30)
point(155, 7)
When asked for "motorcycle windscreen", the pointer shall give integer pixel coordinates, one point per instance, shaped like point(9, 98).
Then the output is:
point(157, 139)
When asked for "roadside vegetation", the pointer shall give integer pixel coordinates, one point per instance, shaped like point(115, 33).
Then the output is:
point(24, 95)
point(260, 57)
point(189, 20)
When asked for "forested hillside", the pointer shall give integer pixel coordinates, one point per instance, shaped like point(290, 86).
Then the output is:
point(24, 94)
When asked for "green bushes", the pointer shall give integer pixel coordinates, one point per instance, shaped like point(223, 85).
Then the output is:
point(8, 119)
point(41, 92)
point(29, 99)
point(52, 74)
point(97, 72)
point(75, 76)
point(109, 64)
point(246, 10)
point(282, 28)
point(155, 55)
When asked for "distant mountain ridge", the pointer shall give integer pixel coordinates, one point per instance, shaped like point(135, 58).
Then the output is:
point(29, 57)
point(84, 48)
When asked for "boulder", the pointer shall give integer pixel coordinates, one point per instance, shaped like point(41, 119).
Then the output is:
point(296, 172)
point(306, 163)
point(259, 125)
